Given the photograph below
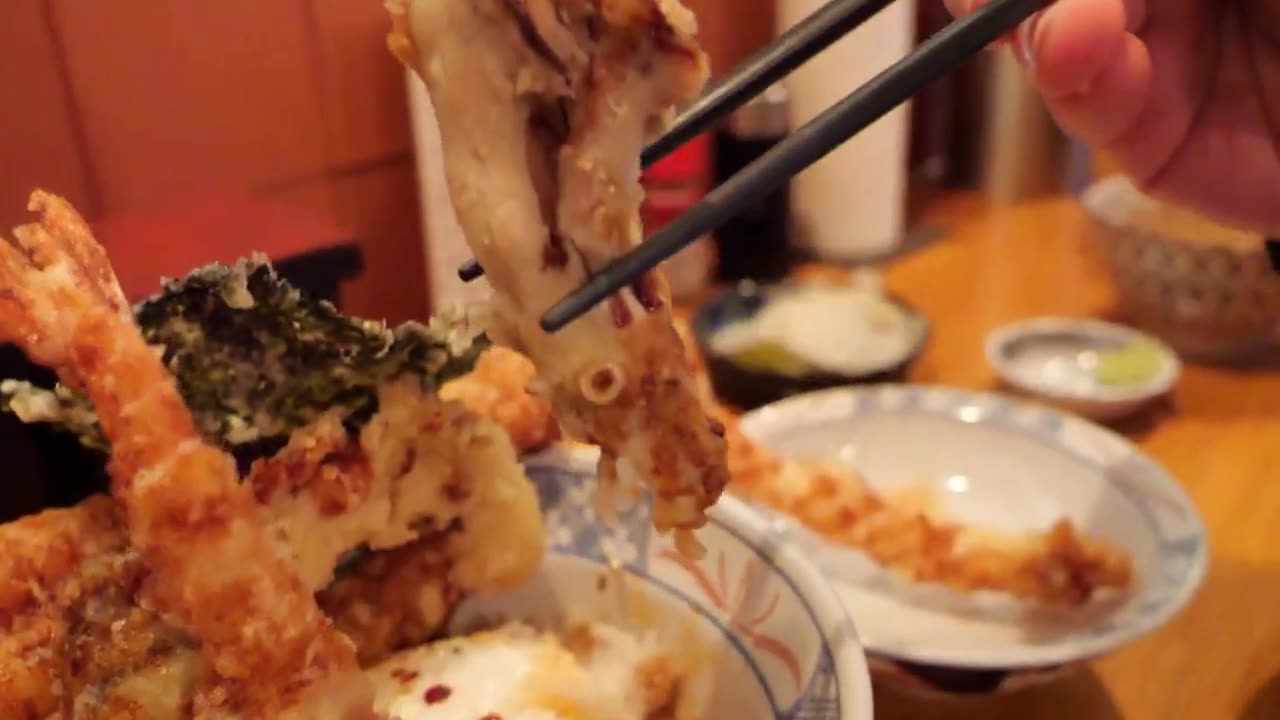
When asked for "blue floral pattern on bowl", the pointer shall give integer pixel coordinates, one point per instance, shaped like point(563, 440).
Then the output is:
point(766, 602)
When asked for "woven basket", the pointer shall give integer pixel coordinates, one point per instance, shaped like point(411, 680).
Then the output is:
point(1207, 290)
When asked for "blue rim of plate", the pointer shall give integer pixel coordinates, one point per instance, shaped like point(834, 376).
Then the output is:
point(840, 686)
point(1181, 541)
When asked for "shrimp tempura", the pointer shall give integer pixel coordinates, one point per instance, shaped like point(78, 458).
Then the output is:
point(215, 570)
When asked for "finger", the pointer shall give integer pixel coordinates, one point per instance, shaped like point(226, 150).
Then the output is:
point(1070, 44)
point(960, 8)
point(1110, 106)
point(963, 8)
point(1135, 15)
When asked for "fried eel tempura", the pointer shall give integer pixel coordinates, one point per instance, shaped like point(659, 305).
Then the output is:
point(1060, 567)
point(544, 107)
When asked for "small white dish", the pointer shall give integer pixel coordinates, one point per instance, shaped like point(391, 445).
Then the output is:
point(762, 616)
point(1002, 464)
point(1057, 360)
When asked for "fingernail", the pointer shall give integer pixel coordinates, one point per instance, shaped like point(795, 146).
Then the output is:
point(1024, 44)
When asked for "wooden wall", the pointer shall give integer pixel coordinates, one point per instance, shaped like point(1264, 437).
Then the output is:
point(121, 104)
point(733, 29)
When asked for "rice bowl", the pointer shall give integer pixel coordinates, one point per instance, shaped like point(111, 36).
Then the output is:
point(754, 629)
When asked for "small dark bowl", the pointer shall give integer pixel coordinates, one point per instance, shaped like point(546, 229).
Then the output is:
point(749, 389)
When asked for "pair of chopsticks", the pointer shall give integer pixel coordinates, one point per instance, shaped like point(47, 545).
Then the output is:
point(942, 52)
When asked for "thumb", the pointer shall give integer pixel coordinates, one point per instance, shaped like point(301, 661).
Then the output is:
point(1093, 73)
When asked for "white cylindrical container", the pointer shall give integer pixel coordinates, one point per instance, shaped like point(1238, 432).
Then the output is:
point(1024, 152)
point(444, 246)
point(852, 203)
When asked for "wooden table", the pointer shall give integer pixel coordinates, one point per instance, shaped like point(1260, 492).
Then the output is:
point(1218, 660)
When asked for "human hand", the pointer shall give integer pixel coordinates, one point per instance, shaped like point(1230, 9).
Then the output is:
point(1184, 95)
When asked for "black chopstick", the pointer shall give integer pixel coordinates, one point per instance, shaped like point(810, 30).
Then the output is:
point(753, 76)
point(942, 52)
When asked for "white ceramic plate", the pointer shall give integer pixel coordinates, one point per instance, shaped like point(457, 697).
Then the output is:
point(1055, 359)
point(778, 638)
point(1002, 464)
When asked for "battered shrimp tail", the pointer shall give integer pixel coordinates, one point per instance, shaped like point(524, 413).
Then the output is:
point(216, 572)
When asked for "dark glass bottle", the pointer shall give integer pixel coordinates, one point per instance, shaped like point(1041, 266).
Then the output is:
point(672, 186)
point(754, 245)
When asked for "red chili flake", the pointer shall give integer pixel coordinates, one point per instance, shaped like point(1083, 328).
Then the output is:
point(554, 256)
point(404, 676)
point(619, 312)
point(646, 291)
point(437, 694)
